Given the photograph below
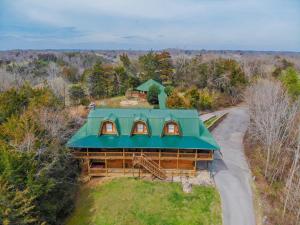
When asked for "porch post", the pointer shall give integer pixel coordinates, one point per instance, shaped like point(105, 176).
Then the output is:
point(88, 159)
point(177, 161)
point(88, 164)
point(123, 161)
point(159, 157)
point(106, 172)
point(196, 155)
point(212, 168)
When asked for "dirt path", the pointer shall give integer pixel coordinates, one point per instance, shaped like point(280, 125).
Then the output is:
point(232, 176)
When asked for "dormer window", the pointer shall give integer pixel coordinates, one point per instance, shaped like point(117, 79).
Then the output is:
point(171, 128)
point(140, 128)
point(108, 127)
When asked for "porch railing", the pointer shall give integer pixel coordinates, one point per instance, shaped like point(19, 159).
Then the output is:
point(152, 155)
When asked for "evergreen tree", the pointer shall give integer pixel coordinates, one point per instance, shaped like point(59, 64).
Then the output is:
point(96, 81)
point(16, 207)
point(291, 80)
point(165, 67)
point(149, 64)
point(152, 94)
point(76, 93)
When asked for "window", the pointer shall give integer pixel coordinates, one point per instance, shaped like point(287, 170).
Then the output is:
point(171, 128)
point(140, 128)
point(109, 127)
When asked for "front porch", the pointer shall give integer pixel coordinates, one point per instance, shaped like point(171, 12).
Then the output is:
point(120, 162)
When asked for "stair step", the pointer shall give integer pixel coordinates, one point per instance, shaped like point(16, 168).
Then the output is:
point(150, 166)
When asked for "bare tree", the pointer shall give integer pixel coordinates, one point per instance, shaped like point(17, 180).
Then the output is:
point(6, 79)
point(53, 70)
point(272, 120)
point(292, 188)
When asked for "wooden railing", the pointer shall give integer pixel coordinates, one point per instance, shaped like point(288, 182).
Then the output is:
point(149, 165)
point(151, 155)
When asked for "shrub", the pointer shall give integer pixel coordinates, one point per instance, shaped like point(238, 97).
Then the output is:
point(207, 99)
point(193, 97)
point(176, 101)
point(169, 90)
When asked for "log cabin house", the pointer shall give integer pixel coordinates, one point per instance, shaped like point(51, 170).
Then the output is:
point(159, 142)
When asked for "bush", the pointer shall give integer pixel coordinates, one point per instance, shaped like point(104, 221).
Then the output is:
point(169, 90)
point(193, 97)
point(152, 94)
point(176, 101)
point(207, 99)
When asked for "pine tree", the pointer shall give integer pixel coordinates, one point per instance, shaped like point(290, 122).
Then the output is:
point(16, 206)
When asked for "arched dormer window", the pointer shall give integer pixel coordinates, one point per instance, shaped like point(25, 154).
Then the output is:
point(171, 128)
point(140, 127)
point(108, 127)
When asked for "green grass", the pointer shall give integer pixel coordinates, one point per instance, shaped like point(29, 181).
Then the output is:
point(130, 201)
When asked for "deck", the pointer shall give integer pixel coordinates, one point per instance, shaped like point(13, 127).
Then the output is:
point(120, 163)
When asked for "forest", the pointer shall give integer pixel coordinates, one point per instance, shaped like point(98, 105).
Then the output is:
point(41, 92)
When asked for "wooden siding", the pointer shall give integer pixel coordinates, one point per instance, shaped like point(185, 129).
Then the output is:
point(107, 163)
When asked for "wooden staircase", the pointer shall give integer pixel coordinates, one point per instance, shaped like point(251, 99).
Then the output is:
point(149, 165)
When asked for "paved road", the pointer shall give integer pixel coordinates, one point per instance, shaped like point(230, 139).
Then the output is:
point(232, 173)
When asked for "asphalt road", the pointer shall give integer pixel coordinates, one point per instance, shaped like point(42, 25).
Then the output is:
point(232, 176)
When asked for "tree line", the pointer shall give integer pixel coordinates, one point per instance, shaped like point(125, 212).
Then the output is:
point(274, 106)
point(38, 176)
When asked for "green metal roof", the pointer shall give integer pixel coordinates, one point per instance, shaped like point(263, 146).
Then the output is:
point(146, 85)
point(162, 98)
point(193, 132)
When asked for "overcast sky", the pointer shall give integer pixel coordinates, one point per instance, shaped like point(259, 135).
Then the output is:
point(150, 24)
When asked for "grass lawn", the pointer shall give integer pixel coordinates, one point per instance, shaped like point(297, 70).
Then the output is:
point(130, 201)
point(116, 102)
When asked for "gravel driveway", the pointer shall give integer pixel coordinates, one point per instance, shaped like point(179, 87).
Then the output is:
point(232, 173)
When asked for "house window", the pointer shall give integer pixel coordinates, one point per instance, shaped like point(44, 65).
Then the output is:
point(171, 128)
point(109, 127)
point(140, 128)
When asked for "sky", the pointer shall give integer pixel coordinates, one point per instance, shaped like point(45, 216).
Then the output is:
point(150, 24)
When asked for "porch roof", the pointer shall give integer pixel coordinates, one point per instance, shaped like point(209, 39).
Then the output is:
point(142, 141)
